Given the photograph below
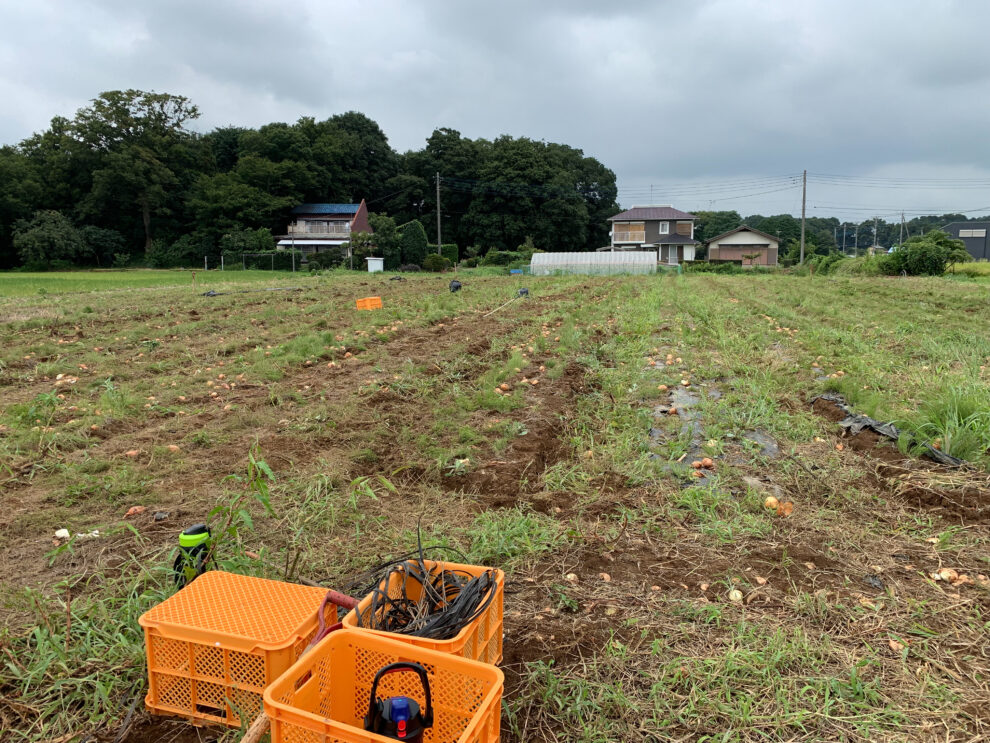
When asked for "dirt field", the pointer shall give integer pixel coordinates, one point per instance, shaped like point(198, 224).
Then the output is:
point(623, 559)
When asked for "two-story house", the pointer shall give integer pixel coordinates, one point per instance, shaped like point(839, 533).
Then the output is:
point(668, 231)
point(318, 228)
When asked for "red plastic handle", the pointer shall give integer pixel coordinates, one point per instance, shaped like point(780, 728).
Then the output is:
point(342, 600)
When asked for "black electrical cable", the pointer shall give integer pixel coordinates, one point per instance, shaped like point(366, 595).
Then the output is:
point(363, 583)
point(446, 600)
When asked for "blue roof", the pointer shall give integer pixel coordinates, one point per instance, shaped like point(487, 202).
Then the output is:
point(326, 209)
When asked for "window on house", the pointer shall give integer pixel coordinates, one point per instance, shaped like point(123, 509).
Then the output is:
point(665, 228)
point(973, 233)
point(628, 232)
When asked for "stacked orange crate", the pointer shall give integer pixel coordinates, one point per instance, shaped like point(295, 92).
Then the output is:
point(215, 646)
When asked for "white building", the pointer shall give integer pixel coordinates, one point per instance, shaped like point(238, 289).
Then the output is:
point(598, 263)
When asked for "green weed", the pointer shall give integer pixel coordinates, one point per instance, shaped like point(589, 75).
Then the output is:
point(511, 536)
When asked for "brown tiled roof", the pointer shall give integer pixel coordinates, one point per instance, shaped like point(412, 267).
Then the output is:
point(652, 212)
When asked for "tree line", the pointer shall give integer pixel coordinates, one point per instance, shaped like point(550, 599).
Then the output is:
point(125, 179)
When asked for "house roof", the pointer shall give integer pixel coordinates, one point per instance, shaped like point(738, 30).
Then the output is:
point(967, 225)
point(326, 209)
point(652, 212)
point(740, 228)
point(677, 240)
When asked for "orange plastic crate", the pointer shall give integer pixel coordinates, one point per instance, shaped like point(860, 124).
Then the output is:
point(480, 640)
point(369, 303)
point(324, 697)
point(215, 646)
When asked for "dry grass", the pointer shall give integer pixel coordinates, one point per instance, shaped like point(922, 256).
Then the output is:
point(620, 625)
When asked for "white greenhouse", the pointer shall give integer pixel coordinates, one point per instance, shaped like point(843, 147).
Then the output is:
point(595, 264)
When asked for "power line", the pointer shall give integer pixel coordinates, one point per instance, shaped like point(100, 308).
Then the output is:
point(897, 180)
point(913, 187)
point(715, 196)
point(723, 181)
point(688, 188)
point(758, 193)
point(901, 184)
point(894, 210)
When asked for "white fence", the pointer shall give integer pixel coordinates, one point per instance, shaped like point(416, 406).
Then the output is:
point(594, 263)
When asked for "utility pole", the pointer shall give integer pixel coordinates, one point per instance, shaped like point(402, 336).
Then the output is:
point(876, 221)
point(804, 199)
point(439, 239)
point(901, 241)
point(843, 238)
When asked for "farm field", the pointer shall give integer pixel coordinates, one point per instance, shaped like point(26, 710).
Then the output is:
point(20, 283)
point(646, 598)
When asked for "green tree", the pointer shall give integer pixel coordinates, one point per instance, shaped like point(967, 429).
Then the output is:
point(363, 157)
point(102, 244)
point(457, 159)
point(495, 193)
point(412, 243)
point(362, 245)
point(408, 197)
point(387, 239)
point(927, 255)
point(188, 250)
point(48, 236)
point(221, 203)
point(784, 226)
point(134, 175)
point(957, 254)
point(247, 241)
point(437, 263)
point(824, 231)
point(712, 224)
point(21, 193)
point(137, 137)
point(224, 145)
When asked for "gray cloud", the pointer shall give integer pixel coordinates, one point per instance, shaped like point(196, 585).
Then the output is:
point(668, 93)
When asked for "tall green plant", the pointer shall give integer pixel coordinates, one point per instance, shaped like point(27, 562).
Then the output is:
point(231, 515)
point(412, 243)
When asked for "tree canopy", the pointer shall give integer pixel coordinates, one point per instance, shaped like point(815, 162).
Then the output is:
point(130, 177)
point(128, 163)
point(48, 237)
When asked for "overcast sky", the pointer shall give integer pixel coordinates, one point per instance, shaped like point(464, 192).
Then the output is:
point(716, 103)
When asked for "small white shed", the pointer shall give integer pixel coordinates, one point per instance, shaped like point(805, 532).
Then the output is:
point(594, 263)
point(375, 265)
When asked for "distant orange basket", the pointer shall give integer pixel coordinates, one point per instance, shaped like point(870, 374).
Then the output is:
point(369, 303)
